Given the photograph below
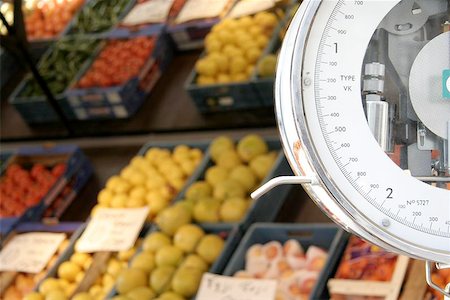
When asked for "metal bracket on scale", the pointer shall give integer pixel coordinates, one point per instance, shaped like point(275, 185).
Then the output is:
point(428, 271)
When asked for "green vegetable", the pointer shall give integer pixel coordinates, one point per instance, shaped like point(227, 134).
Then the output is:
point(99, 15)
point(61, 65)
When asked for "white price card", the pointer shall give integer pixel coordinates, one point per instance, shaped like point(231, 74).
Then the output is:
point(30, 252)
point(219, 287)
point(154, 11)
point(112, 229)
point(250, 7)
point(201, 9)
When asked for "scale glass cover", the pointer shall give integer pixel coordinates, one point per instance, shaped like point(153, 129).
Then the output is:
point(363, 107)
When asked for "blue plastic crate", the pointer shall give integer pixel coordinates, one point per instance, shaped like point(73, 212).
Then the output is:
point(36, 109)
point(190, 35)
point(122, 101)
point(74, 159)
point(326, 236)
point(232, 236)
point(267, 207)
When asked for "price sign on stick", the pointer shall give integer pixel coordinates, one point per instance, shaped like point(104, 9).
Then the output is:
point(219, 287)
point(112, 229)
point(30, 252)
point(155, 11)
point(250, 7)
point(201, 9)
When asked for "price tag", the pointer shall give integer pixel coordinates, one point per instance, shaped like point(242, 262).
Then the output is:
point(219, 287)
point(30, 252)
point(154, 11)
point(250, 7)
point(112, 229)
point(201, 9)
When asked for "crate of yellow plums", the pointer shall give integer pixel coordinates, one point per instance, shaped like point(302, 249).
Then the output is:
point(220, 195)
point(222, 77)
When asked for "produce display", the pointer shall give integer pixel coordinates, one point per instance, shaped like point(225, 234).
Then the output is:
point(441, 278)
point(71, 272)
point(116, 264)
point(22, 188)
point(296, 271)
point(97, 16)
point(223, 194)
point(48, 18)
point(364, 261)
point(233, 47)
point(24, 283)
point(61, 65)
point(171, 263)
point(151, 180)
point(118, 62)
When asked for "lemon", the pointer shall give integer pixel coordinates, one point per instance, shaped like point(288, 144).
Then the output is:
point(230, 24)
point(214, 45)
point(245, 22)
point(79, 258)
point(226, 37)
point(239, 77)
point(253, 54)
point(119, 200)
point(221, 61)
point(68, 270)
point(205, 80)
point(232, 51)
point(48, 285)
point(265, 19)
point(238, 65)
point(207, 67)
point(104, 197)
point(135, 202)
point(255, 30)
point(223, 78)
point(250, 70)
point(262, 41)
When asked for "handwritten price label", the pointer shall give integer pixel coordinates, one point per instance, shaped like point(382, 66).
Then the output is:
point(112, 229)
point(201, 9)
point(30, 252)
point(155, 11)
point(219, 287)
point(250, 7)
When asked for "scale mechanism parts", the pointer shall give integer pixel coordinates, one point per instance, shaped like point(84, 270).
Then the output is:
point(378, 111)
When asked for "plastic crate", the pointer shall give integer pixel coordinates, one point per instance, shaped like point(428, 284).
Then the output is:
point(78, 169)
point(326, 236)
point(69, 228)
point(124, 100)
point(52, 273)
point(37, 109)
point(222, 97)
point(88, 7)
point(267, 207)
point(235, 96)
point(232, 236)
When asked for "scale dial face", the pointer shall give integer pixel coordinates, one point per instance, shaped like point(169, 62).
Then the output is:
point(354, 82)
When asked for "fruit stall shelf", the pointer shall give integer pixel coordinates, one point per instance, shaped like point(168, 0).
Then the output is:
point(232, 235)
point(234, 96)
point(78, 170)
point(326, 236)
point(71, 229)
point(267, 207)
point(123, 100)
